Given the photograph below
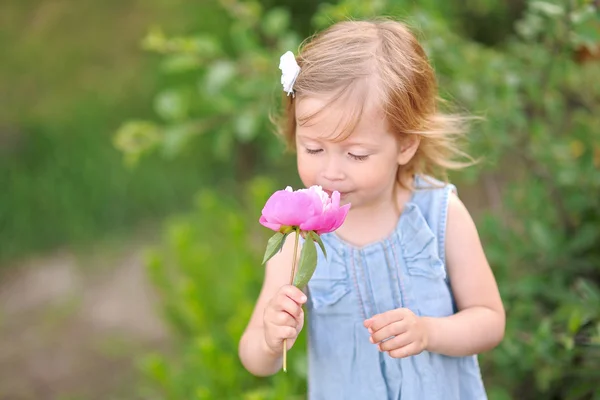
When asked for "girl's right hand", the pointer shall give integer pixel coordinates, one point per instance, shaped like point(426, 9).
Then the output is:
point(284, 318)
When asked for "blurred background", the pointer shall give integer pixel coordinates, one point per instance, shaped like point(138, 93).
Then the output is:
point(136, 153)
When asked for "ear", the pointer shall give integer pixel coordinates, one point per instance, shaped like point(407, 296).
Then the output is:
point(407, 147)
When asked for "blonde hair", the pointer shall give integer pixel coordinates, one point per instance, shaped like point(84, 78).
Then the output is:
point(360, 59)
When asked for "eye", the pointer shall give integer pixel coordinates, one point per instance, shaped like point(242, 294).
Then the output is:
point(357, 158)
point(313, 151)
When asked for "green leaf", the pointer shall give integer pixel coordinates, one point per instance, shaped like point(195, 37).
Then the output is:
point(289, 40)
point(223, 143)
point(542, 236)
point(206, 46)
point(549, 9)
point(317, 239)
point(219, 74)
point(575, 321)
point(176, 137)
point(177, 63)
point(307, 263)
point(171, 105)
point(246, 126)
point(274, 245)
point(499, 393)
point(275, 22)
point(135, 138)
point(155, 40)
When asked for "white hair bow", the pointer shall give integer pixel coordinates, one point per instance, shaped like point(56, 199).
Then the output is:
point(289, 72)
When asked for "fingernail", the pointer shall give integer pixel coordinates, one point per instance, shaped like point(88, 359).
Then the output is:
point(371, 340)
point(303, 298)
point(370, 331)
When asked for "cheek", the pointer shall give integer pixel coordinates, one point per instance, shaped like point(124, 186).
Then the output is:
point(377, 177)
point(306, 170)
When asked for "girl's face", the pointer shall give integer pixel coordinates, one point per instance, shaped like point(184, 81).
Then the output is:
point(362, 167)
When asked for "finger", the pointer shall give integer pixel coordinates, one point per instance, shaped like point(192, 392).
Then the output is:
point(396, 342)
point(279, 333)
point(286, 332)
point(394, 329)
point(300, 320)
point(285, 319)
point(406, 351)
point(293, 293)
point(288, 305)
point(380, 320)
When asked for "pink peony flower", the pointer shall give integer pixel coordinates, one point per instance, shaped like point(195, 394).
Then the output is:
point(310, 212)
point(308, 209)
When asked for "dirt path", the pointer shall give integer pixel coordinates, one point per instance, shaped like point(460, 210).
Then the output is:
point(72, 327)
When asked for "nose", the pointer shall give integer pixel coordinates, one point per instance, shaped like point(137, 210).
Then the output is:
point(332, 169)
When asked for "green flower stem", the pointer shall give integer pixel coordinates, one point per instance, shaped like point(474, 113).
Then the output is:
point(297, 230)
point(294, 257)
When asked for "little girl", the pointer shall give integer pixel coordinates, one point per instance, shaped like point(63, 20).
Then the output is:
point(406, 298)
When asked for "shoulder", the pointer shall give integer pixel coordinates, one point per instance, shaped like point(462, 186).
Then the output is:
point(459, 219)
point(461, 232)
point(456, 208)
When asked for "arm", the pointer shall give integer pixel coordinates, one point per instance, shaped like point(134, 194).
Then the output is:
point(255, 354)
point(479, 324)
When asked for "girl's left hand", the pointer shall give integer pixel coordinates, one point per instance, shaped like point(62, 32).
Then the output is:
point(407, 333)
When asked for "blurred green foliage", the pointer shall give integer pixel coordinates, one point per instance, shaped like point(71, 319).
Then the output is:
point(229, 94)
point(516, 63)
point(208, 273)
point(529, 67)
point(71, 72)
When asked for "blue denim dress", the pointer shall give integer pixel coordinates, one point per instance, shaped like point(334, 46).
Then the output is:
point(407, 269)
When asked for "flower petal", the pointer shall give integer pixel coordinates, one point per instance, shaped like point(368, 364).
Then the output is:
point(329, 221)
point(341, 215)
point(290, 208)
point(274, 226)
point(335, 199)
